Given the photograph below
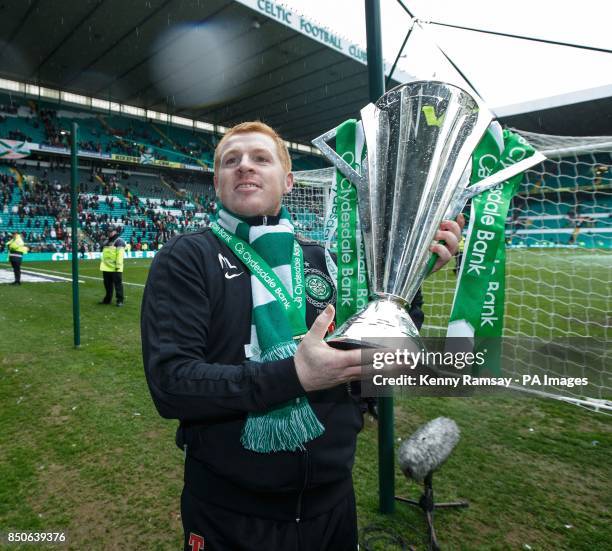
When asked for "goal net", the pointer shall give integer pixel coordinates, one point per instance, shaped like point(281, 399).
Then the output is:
point(559, 261)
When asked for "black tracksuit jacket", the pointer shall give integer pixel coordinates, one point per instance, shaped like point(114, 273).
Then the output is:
point(196, 320)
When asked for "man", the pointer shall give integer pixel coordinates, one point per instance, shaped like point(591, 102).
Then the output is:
point(111, 266)
point(268, 426)
point(459, 255)
point(16, 249)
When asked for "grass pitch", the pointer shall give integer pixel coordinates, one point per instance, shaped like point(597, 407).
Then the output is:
point(82, 449)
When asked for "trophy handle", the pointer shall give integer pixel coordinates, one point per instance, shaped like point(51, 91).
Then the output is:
point(458, 204)
point(491, 181)
point(347, 170)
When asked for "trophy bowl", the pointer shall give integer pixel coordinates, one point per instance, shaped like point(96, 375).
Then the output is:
point(420, 137)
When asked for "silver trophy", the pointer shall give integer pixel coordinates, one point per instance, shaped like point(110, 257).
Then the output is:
point(420, 137)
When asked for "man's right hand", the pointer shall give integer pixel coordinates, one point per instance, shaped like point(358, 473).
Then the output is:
point(320, 366)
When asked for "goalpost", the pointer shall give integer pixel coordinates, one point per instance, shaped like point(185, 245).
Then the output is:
point(559, 262)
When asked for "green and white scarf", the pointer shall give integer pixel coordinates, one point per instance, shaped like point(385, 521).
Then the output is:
point(275, 261)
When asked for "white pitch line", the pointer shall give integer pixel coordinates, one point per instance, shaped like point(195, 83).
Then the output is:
point(426, 326)
point(42, 270)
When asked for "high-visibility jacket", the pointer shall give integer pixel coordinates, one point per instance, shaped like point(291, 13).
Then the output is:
point(16, 246)
point(112, 256)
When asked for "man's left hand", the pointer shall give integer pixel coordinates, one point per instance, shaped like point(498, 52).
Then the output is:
point(450, 234)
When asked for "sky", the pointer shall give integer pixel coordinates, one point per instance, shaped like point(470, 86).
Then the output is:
point(504, 71)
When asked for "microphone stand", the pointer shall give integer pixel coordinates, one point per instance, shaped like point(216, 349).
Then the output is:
point(427, 504)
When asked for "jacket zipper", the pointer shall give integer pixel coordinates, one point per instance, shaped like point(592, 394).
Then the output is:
point(298, 509)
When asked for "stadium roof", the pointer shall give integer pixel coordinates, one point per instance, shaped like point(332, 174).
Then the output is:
point(216, 60)
point(588, 113)
point(222, 61)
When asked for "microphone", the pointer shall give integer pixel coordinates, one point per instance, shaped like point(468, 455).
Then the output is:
point(422, 454)
point(428, 448)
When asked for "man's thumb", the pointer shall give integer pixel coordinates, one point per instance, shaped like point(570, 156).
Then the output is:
point(321, 324)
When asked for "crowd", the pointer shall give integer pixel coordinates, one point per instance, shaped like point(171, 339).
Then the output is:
point(43, 213)
point(134, 141)
point(10, 109)
point(139, 141)
point(19, 136)
point(190, 189)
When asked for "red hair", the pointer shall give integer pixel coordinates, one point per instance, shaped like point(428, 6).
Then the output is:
point(261, 128)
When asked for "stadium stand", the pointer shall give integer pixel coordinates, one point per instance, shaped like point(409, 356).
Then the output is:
point(46, 123)
point(566, 203)
point(126, 178)
point(39, 207)
point(34, 207)
point(150, 178)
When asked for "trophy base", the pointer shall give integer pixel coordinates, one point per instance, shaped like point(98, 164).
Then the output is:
point(383, 318)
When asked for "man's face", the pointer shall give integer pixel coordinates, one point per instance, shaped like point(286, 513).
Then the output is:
point(250, 180)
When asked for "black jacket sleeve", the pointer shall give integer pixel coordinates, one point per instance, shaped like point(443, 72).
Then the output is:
point(176, 327)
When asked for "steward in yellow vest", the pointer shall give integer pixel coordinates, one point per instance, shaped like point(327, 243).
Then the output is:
point(17, 249)
point(111, 266)
point(459, 255)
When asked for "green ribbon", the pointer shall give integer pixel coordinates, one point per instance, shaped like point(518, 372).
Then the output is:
point(478, 308)
point(351, 275)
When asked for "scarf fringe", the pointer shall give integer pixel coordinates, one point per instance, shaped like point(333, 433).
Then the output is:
point(286, 428)
point(279, 351)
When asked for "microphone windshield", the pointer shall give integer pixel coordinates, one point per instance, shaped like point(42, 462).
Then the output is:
point(428, 448)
